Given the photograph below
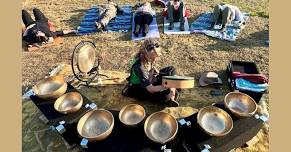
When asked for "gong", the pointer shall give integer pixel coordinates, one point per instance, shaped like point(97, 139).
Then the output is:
point(85, 62)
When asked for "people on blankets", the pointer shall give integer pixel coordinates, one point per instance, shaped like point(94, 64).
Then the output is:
point(107, 14)
point(38, 32)
point(175, 11)
point(224, 14)
point(145, 81)
point(143, 18)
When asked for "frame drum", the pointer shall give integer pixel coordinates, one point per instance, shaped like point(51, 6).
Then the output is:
point(182, 82)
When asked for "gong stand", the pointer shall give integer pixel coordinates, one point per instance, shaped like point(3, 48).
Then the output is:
point(85, 62)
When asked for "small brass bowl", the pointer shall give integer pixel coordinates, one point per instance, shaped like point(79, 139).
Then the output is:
point(214, 121)
point(96, 125)
point(161, 127)
point(240, 104)
point(132, 114)
point(69, 103)
point(50, 88)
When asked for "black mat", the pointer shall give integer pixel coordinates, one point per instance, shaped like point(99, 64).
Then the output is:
point(122, 138)
point(194, 138)
point(53, 116)
point(187, 139)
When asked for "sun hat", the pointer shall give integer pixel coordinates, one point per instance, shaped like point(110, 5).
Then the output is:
point(208, 78)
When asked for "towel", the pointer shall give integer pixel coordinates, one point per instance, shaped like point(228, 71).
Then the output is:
point(153, 31)
point(203, 23)
point(243, 84)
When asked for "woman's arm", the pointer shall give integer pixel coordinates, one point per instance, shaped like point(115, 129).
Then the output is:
point(152, 89)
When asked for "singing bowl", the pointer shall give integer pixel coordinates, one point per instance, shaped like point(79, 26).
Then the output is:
point(161, 127)
point(214, 121)
point(96, 125)
point(182, 82)
point(86, 58)
point(69, 103)
point(51, 87)
point(240, 104)
point(132, 114)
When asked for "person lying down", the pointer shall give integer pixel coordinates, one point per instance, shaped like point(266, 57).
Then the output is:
point(107, 14)
point(37, 32)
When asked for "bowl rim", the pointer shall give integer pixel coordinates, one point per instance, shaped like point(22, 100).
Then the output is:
point(59, 102)
point(220, 110)
point(127, 106)
point(60, 78)
point(89, 114)
point(146, 124)
point(237, 113)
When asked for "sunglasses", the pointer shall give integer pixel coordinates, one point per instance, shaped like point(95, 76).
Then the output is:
point(152, 46)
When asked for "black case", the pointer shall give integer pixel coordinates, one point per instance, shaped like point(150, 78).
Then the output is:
point(243, 67)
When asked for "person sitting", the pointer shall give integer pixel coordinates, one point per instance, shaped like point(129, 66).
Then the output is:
point(38, 31)
point(224, 14)
point(143, 18)
point(175, 10)
point(145, 81)
point(107, 14)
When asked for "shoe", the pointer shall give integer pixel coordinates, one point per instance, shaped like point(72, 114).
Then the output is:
point(172, 103)
point(212, 26)
point(135, 34)
point(98, 26)
point(223, 29)
point(136, 29)
point(182, 28)
point(146, 28)
point(171, 26)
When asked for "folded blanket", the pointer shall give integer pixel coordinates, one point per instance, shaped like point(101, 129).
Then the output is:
point(203, 23)
point(255, 78)
point(153, 31)
point(243, 84)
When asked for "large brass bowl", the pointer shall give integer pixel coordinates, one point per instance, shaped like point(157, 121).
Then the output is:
point(96, 125)
point(51, 87)
point(161, 127)
point(132, 114)
point(69, 103)
point(214, 121)
point(240, 104)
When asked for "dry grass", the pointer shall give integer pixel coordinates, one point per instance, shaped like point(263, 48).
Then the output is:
point(190, 54)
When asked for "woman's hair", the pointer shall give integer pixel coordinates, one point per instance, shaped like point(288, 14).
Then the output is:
point(145, 47)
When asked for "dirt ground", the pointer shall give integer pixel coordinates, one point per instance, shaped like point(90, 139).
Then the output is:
point(190, 54)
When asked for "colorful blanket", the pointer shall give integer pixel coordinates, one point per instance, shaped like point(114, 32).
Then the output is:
point(121, 23)
point(203, 23)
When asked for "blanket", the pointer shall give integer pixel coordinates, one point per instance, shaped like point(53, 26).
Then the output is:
point(153, 31)
point(203, 23)
point(121, 23)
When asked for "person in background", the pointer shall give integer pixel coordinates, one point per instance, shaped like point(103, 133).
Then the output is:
point(108, 14)
point(38, 31)
point(143, 18)
point(145, 81)
point(224, 14)
point(175, 9)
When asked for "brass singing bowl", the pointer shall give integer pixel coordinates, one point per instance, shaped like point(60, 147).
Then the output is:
point(240, 104)
point(132, 114)
point(161, 127)
point(69, 103)
point(51, 87)
point(96, 125)
point(214, 121)
point(86, 58)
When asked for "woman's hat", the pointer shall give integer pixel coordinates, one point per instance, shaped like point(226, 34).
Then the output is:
point(208, 78)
